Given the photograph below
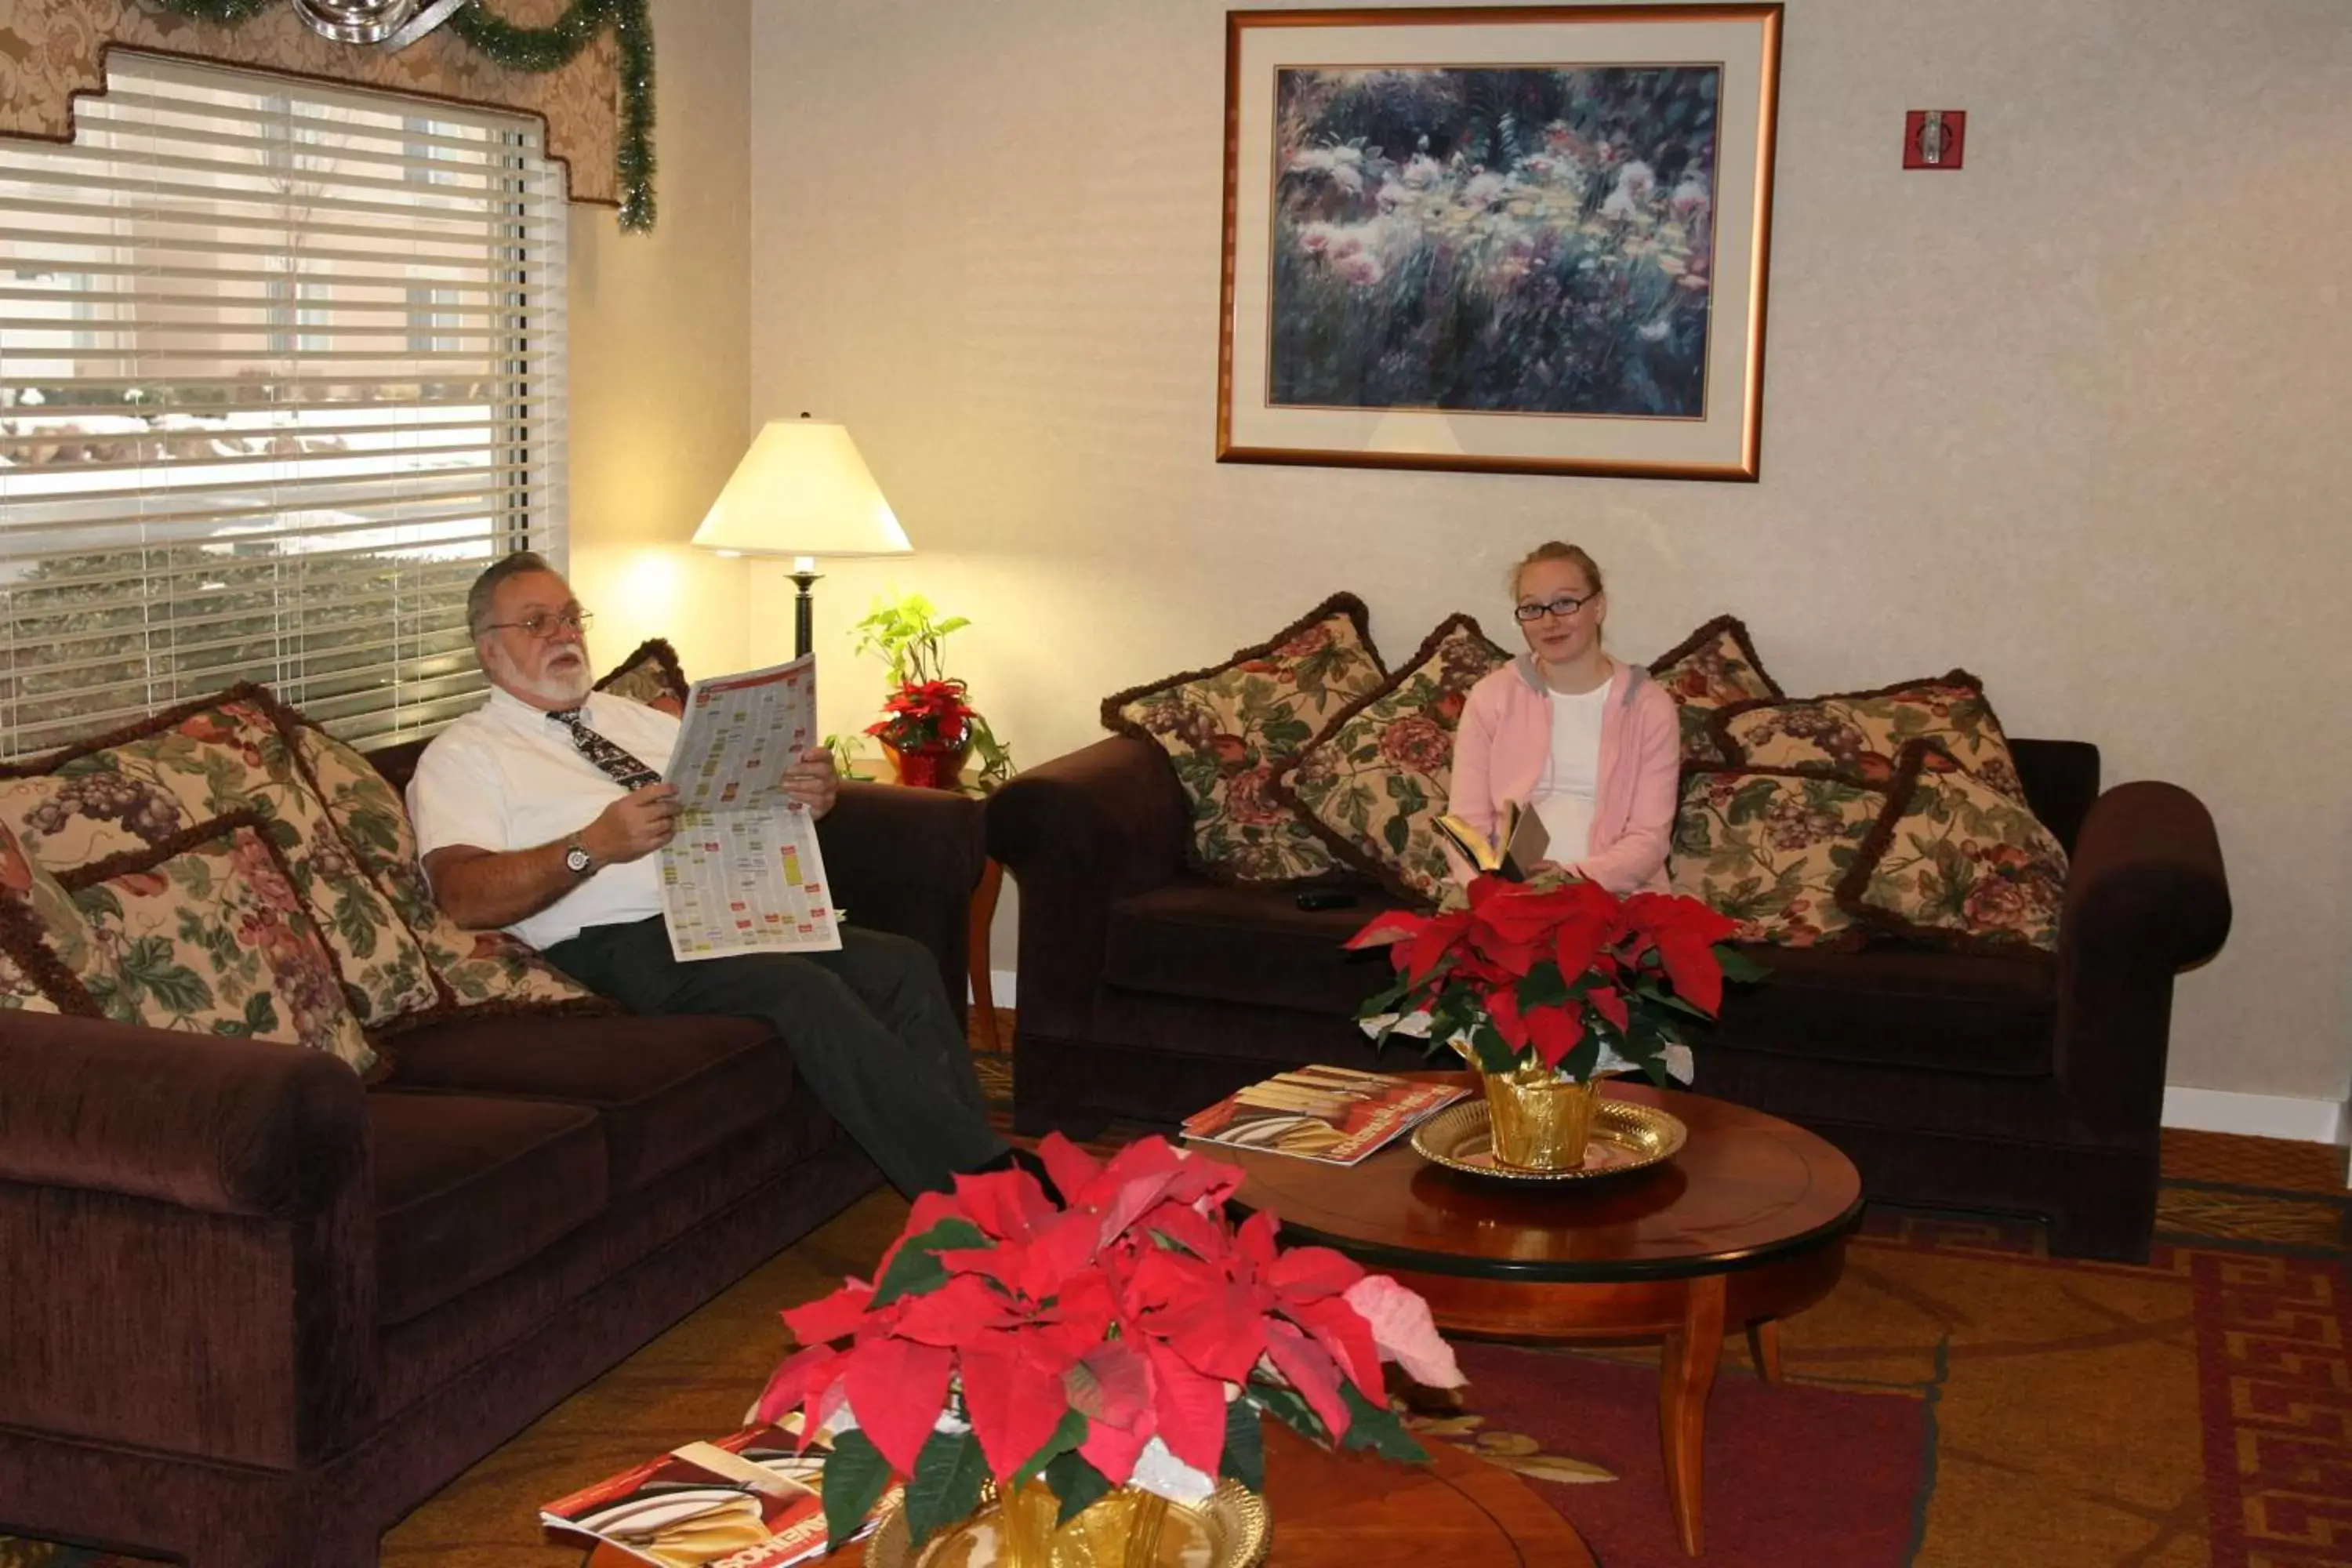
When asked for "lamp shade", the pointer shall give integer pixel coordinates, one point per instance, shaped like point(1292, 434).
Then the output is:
point(802, 490)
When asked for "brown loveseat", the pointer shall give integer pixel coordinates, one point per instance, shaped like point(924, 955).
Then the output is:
point(251, 1311)
point(2030, 1085)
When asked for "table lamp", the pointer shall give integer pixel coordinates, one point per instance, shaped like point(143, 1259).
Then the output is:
point(802, 491)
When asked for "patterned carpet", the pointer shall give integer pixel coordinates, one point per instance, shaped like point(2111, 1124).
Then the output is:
point(1960, 1400)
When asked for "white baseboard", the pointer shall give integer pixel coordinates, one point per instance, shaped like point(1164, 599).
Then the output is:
point(1000, 983)
point(2255, 1115)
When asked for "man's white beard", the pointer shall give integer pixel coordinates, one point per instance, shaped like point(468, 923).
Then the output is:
point(565, 689)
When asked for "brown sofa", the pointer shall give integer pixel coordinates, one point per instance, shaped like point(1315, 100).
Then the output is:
point(2026, 1085)
point(252, 1312)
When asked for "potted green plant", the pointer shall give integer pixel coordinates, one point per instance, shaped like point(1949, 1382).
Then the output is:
point(928, 726)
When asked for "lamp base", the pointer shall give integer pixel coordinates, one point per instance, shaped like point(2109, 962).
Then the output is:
point(803, 613)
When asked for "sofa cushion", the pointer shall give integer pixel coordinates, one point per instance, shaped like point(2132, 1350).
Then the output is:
point(484, 971)
point(203, 932)
point(124, 792)
point(1233, 730)
point(1861, 734)
point(665, 1090)
point(1889, 1005)
point(1710, 669)
point(1254, 946)
point(1770, 848)
point(466, 1187)
point(1955, 863)
point(1372, 783)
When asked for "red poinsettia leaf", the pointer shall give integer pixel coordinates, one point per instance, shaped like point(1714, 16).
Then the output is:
point(1203, 1181)
point(801, 1381)
point(1341, 1330)
point(1253, 1238)
point(1214, 1323)
point(1015, 1399)
point(1190, 1409)
point(1312, 1371)
point(1609, 1003)
point(1309, 1273)
point(898, 1388)
point(1071, 1168)
point(1686, 932)
point(954, 1314)
point(1387, 927)
point(1112, 1383)
point(1434, 941)
point(1113, 1450)
point(1502, 1004)
point(828, 1318)
point(1005, 1204)
point(1554, 1031)
point(1189, 1229)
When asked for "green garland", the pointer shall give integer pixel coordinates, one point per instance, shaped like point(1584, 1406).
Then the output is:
point(539, 49)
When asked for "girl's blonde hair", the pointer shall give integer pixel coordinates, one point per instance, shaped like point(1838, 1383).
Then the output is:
point(1553, 549)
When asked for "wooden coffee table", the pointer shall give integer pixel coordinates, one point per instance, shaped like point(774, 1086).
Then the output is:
point(1358, 1510)
point(1746, 1224)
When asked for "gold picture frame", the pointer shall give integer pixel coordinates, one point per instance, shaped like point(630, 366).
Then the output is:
point(1502, 240)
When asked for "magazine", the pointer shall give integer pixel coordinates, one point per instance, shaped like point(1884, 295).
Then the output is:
point(746, 1500)
point(1336, 1115)
point(744, 873)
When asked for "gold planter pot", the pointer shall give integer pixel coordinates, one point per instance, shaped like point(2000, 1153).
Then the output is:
point(1119, 1530)
point(1540, 1121)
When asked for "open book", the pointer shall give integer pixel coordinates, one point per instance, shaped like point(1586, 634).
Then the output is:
point(747, 1501)
point(1519, 841)
point(1334, 1115)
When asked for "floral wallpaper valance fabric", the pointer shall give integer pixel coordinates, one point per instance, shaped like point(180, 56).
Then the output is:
point(51, 50)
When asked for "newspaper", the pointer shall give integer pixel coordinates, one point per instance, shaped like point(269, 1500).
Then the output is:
point(747, 1501)
point(1330, 1114)
point(744, 873)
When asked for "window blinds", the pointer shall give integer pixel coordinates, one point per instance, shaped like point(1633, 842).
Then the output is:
point(281, 369)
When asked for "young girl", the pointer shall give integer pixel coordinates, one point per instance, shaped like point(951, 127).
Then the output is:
point(1589, 742)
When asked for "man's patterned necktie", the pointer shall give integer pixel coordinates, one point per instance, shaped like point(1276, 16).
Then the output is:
point(617, 764)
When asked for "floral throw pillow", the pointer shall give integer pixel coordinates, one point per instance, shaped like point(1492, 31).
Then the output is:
point(1862, 734)
point(478, 968)
point(123, 794)
point(1957, 863)
point(1374, 782)
point(650, 675)
point(1710, 669)
point(1234, 730)
point(44, 944)
point(1770, 849)
point(205, 932)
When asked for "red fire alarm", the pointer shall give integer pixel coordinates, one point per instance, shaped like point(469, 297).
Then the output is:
point(1932, 138)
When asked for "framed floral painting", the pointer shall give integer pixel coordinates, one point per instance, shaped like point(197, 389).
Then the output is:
point(1526, 240)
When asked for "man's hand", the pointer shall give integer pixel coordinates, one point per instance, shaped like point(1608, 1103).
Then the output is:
point(637, 824)
point(812, 782)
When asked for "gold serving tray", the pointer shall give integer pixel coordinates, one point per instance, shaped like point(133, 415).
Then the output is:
point(1626, 1138)
point(1227, 1530)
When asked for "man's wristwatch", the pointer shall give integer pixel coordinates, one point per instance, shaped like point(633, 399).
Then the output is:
point(576, 858)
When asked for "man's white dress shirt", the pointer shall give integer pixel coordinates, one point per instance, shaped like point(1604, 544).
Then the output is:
point(507, 776)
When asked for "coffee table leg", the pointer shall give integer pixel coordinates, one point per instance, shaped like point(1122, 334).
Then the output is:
point(1687, 1373)
point(1764, 1347)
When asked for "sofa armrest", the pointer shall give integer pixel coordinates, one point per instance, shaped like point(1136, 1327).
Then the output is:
point(1111, 813)
point(905, 860)
point(1103, 823)
point(209, 1123)
point(2146, 883)
point(187, 1242)
point(2146, 895)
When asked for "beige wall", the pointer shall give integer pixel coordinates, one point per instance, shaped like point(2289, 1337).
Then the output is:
point(660, 363)
point(2069, 418)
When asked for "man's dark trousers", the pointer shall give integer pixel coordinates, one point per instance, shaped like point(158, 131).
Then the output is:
point(870, 1029)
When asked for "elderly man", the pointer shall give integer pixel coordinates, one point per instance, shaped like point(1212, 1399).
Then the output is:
point(539, 811)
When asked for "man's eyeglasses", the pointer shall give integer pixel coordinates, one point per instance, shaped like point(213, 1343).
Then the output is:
point(539, 624)
point(1564, 606)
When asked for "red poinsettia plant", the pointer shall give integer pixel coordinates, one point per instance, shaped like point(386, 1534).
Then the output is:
point(927, 715)
point(1127, 1334)
point(1564, 973)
